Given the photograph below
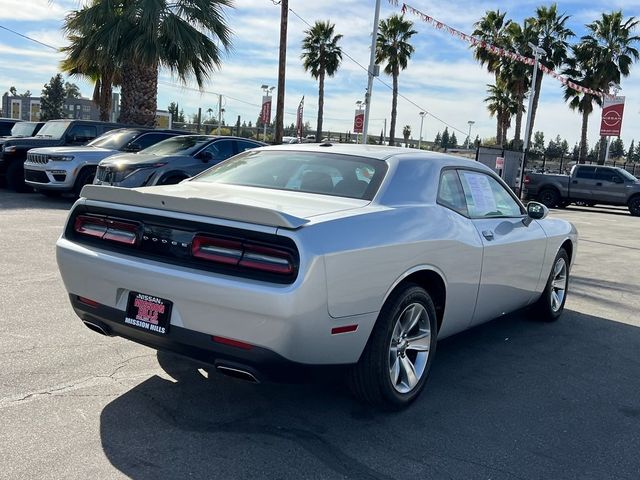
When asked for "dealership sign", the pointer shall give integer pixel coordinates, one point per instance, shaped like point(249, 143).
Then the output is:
point(265, 113)
point(358, 121)
point(612, 110)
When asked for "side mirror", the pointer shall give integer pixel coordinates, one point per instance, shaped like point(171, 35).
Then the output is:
point(537, 211)
point(133, 147)
point(205, 156)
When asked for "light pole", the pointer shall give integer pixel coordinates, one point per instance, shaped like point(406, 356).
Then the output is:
point(616, 88)
point(422, 114)
point(267, 93)
point(537, 52)
point(470, 122)
point(373, 71)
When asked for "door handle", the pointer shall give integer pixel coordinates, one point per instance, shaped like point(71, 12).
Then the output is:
point(488, 234)
point(599, 184)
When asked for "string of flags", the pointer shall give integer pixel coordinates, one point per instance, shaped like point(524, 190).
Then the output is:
point(438, 25)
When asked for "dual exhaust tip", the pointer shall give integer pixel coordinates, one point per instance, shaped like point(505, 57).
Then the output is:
point(234, 372)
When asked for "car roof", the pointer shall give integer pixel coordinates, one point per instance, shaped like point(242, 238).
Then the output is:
point(379, 152)
point(5, 119)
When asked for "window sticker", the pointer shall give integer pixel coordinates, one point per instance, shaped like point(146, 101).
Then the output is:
point(481, 193)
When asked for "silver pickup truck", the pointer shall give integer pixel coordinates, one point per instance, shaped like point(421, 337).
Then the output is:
point(587, 184)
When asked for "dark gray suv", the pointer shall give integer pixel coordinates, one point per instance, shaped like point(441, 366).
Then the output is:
point(170, 161)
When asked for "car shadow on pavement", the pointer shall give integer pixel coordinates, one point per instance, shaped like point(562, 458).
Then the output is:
point(510, 399)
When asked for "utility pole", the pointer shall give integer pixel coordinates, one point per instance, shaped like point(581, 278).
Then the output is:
point(538, 52)
point(384, 134)
point(219, 112)
point(282, 63)
point(373, 72)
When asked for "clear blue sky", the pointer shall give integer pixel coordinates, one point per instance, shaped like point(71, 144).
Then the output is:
point(442, 77)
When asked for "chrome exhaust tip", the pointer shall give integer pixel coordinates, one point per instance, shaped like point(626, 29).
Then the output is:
point(96, 328)
point(237, 373)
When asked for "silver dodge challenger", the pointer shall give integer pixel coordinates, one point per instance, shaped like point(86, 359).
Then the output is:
point(285, 260)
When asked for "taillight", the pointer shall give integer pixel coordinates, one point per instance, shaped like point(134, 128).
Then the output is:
point(107, 229)
point(269, 259)
point(527, 179)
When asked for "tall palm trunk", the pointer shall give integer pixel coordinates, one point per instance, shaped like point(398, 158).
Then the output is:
point(534, 107)
point(394, 107)
point(499, 128)
point(139, 94)
point(106, 92)
point(320, 105)
point(602, 153)
point(520, 100)
point(583, 138)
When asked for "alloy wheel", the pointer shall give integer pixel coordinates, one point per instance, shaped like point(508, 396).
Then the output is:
point(558, 284)
point(409, 348)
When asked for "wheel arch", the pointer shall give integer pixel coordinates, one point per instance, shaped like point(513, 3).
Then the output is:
point(432, 280)
point(567, 245)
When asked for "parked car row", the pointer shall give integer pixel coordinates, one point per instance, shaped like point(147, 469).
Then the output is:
point(62, 156)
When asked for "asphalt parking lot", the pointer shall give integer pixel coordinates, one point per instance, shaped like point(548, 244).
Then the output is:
point(512, 399)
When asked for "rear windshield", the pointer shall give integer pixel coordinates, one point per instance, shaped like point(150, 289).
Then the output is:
point(309, 172)
point(183, 145)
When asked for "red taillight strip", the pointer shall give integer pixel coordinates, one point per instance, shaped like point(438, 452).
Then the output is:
point(88, 302)
point(107, 229)
point(246, 255)
point(232, 343)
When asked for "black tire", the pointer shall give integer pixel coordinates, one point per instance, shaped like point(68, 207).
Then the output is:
point(370, 379)
point(544, 309)
point(563, 203)
point(634, 206)
point(85, 177)
point(15, 177)
point(549, 197)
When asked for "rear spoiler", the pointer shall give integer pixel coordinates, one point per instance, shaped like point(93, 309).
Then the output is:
point(196, 206)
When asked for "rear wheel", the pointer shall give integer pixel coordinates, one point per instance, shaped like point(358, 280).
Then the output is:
point(549, 197)
point(634, 206)
point(551, 304)
point(395, 365)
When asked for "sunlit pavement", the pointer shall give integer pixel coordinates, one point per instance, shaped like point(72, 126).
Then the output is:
point(510, 399)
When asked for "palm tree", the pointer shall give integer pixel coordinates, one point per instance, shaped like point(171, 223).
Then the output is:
point(392, 46)
point(549, 27)
point(610, 44)
point(143, 35)
point(491, 29)
point(581, 68)
point(86, 59)
point(503, 106)
point(321, 56)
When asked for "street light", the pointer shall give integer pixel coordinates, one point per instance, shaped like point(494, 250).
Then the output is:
point(537, 52)
point(470, 122)
point(422, 114)
point(267, 92)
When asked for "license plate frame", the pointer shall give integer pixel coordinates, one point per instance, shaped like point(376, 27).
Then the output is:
point(148, 313)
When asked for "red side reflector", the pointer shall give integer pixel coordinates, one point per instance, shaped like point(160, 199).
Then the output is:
point(344, 329)
point(232, 343)
point(88, 302)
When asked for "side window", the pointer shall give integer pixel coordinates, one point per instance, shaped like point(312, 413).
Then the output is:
point(221, 150)
point(450, 193)
point(147, 139)
point(608, 175)
point(243, 145)
point(586, 173)
point(83, 133)
point(486, 197)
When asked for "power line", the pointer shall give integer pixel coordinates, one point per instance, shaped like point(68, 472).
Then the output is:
point(29, 38)
point(346, 54)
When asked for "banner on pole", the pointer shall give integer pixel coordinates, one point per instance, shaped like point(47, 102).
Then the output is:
point(299, 117)
point(265, 113)
point(358, 121)
point(612, 111)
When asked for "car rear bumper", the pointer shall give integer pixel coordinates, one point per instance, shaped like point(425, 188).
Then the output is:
point(255, 363)
point(290, 320)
